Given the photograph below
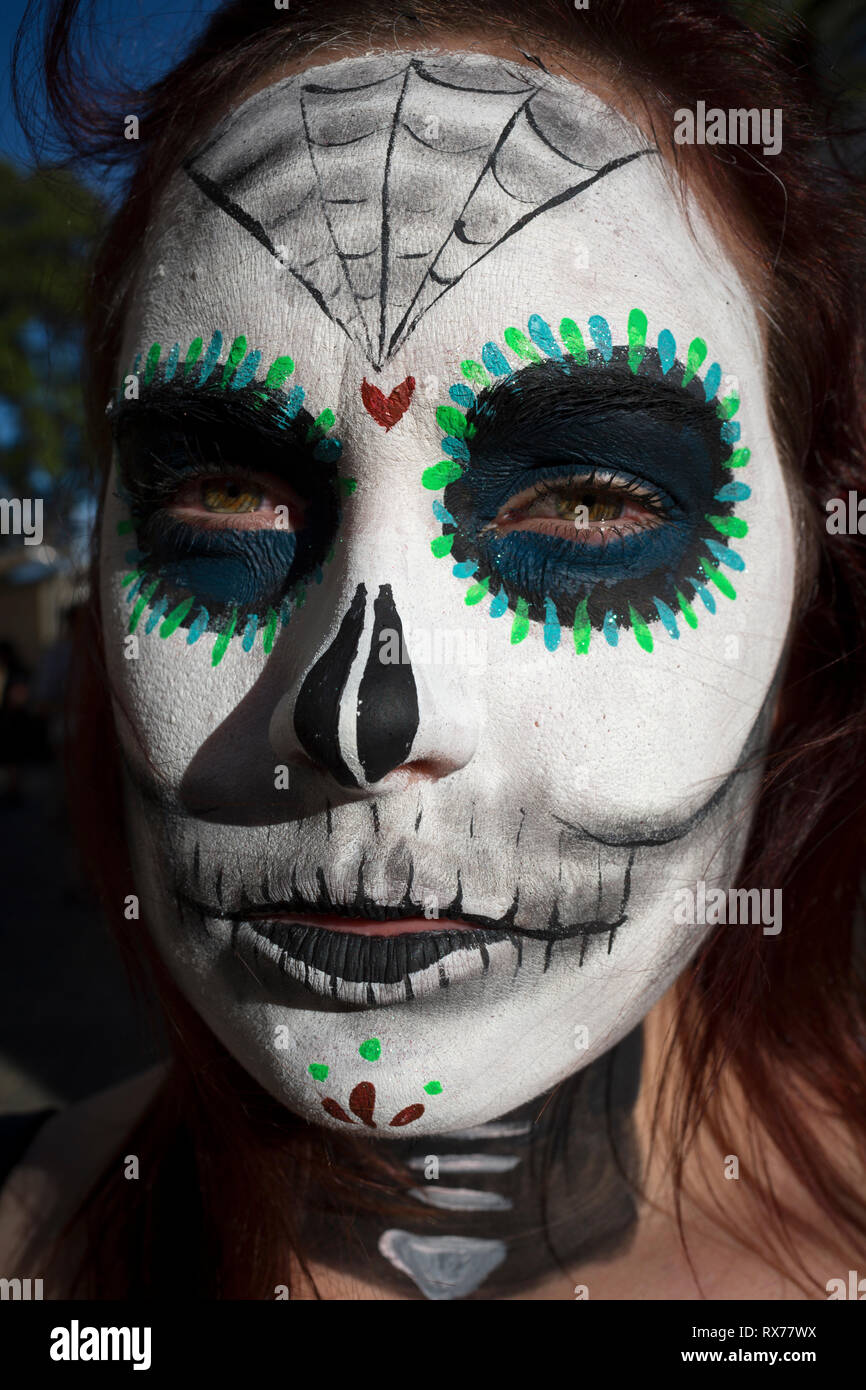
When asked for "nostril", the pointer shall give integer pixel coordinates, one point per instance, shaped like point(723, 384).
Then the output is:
point(423, 770)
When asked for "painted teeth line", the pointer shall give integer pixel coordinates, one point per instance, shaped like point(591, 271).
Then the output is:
point(541, 343)
point(365, 971)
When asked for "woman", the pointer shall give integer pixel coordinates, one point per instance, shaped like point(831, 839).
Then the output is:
point(499, 959)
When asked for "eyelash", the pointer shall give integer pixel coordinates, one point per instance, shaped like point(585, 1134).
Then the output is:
point(172, 483)
point(614, 484)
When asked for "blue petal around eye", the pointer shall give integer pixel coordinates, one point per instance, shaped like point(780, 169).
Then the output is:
point(541, 335)
point(730, 431)
point(442, 513)
point(455, 448)
point(198, 627)
point(712, 381)
point(667, 618)
point(244, 374)
point(211, 358)
point(725, 555)
point(733, 492)
point(250, 632)
point(498, 604)
point(552, 631)
point(155, 614)
point(600, 330)
point(706, 597)
point(610, 629)
point(462, 395)
point(667, 350)
point(494, 361)
point(465, 568)
point(327, 451)
point(294, 401)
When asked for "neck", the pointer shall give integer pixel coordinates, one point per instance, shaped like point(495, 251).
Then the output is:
point(489, 1212)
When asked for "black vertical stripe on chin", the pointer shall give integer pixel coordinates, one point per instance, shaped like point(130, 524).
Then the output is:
point(387, 696)
point(317, 710)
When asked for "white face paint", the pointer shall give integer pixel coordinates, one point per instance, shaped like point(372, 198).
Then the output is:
point(557, 757)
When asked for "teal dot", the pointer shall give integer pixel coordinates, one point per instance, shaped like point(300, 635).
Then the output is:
point(318, 1071)
point(371, 1050)
point(433, 1088)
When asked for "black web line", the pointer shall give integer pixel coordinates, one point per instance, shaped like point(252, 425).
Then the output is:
point(329, 225)
point(250, 224)
point(515, 227)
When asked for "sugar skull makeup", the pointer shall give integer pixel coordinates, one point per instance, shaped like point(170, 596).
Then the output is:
point(415, 382)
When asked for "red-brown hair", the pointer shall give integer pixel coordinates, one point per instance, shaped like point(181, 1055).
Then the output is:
point(765, 1018)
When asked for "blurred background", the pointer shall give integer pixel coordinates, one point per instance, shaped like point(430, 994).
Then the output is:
point(68, 1026)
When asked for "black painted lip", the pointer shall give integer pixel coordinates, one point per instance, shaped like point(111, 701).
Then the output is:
point(379, 960)
point(384, 960)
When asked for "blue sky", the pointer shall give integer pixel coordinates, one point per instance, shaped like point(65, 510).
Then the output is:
point(142, 38)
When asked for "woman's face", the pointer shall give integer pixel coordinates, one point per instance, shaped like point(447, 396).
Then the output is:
point(447, 568)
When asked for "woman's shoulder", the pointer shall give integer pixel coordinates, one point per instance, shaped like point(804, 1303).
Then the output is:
point(64, 1157)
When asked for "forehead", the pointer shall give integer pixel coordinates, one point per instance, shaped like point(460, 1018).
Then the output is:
point(391, 212)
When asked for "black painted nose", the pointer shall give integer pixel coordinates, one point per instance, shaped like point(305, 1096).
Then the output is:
point(379, 736)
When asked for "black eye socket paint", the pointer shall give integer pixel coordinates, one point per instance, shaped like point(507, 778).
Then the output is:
point(632, 420)
point(201, 420)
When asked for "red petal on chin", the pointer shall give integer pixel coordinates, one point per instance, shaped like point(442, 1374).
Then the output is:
point(362, 1102)
point(405, 1117)
point(336, 1111)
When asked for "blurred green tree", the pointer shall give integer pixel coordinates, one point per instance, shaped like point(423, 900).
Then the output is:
point(48, 223)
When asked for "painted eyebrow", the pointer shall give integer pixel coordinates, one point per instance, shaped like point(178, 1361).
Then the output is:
point(544, 395)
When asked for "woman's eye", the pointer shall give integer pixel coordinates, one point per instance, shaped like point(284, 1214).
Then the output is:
point(239, 502)
point(588, 512)
point(227, 496)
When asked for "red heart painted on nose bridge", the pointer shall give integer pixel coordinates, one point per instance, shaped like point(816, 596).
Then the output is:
point(387, 410)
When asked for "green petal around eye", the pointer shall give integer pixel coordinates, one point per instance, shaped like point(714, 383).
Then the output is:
point(454, 422)
point(441, 474)
point(729, 525)
point(441, 545)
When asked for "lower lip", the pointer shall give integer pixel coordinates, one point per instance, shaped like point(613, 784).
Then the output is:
point(366, 926)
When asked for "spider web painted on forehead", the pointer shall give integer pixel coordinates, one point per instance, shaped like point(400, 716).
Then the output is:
point(378, 195)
